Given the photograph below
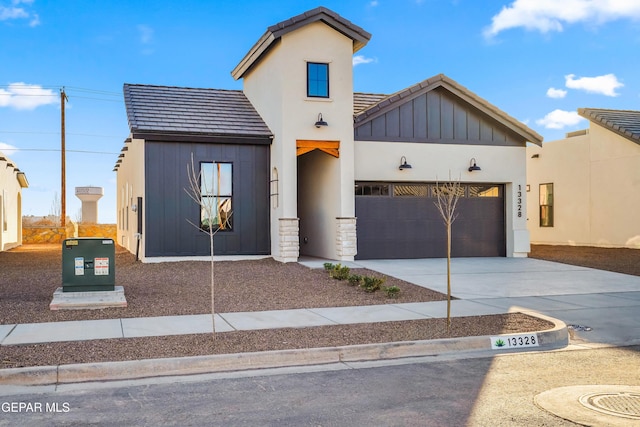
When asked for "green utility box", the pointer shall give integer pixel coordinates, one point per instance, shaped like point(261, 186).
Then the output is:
point(88, 264)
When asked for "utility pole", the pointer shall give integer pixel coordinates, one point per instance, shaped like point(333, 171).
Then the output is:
point(63, 185)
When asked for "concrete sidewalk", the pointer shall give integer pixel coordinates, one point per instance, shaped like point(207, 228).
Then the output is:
point(33, 333)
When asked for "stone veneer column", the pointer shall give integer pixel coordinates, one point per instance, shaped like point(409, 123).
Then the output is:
point(289, 240)
point(346, 239)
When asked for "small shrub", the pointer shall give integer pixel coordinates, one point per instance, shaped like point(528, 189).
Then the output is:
point(340, 272)
point(392, 291)
point(355, 280)
point(328, 266)
point(371, 284)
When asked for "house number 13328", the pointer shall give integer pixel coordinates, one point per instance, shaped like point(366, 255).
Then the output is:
point(519, 201)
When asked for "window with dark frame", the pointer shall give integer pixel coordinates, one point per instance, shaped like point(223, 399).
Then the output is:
point(546, 205)
point(317, 80)
point(216, 192)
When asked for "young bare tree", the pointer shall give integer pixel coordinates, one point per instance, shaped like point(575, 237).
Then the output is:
point(215, 213)
point(56, 207)
point(447, 195)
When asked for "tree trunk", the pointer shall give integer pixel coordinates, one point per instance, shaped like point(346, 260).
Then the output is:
point(213, 311)
point(448, 277)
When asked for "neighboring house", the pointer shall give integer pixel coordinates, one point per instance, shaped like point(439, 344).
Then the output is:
point(12, 181)
point(585, 189)
point(310, 168)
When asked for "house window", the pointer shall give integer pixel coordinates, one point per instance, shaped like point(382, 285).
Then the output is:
point(411, 190)
point(216, 194)
point(317, 80)
point(484, 191)
point(546, 205)
point(372, 190)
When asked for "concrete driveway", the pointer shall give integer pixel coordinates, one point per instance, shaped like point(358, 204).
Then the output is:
point(606, 302)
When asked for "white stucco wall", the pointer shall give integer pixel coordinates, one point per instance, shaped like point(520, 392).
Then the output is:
point(130, 186)
point(10, 205)
point(596, 183)
point(379, 161)
point(277, 88)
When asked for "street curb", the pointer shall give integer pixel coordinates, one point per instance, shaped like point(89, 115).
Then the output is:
point(556, 337)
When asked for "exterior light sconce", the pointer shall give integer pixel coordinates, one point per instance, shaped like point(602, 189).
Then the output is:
point(473, 166)
point(404, 164)
point(321, 121)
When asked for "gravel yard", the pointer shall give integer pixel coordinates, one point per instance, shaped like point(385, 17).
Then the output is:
point(30, 274)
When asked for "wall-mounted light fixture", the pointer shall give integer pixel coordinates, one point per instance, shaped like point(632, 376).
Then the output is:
point(404, 164)
point(320, 121)
point(535, 156)
point(473, 166)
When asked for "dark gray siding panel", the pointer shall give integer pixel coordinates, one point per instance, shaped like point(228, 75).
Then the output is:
point(168, 208)
point(437, 116)
point(420, 117)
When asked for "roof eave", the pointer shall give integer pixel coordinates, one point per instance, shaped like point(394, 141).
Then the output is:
point(258, 49)
point(592, 115)
point(22, 179)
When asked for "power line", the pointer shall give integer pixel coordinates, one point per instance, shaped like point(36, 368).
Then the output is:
point(54, 150)
point(73, 88)
point(58, 133)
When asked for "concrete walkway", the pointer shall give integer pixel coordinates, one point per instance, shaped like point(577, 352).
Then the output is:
point(32, 333)
point(608, 303)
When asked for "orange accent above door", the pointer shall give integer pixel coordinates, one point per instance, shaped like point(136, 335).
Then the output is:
point(329, 147)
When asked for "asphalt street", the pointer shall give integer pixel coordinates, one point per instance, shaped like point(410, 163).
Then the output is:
point(476, 390)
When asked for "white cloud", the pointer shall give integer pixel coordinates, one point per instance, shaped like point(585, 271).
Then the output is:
point(146, 34)
point(22, 96)
point(361, 59)
point(7, 13)
point(559, 119)
point(16, 12)
point(35, 20)
point(146, 38)
point(7, 149)
point(552, 92)
point(373, 3)
point(552, 15)
point(603, 85)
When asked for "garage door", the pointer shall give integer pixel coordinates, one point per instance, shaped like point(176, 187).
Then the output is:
point(400, 220)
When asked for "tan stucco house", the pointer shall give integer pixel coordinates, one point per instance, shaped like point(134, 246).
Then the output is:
point(584, 190)
point(12, 181)
point(307, 167)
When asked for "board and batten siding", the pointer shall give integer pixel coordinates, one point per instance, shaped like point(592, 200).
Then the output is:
point(168, 208)
point(440, 117)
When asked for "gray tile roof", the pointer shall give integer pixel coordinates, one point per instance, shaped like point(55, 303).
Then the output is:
point(191, 111)
point(359, 36)
point(623, 122)
point(400, 97)
point(362, 101)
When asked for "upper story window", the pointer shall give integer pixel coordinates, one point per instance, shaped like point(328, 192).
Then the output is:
point(317, 80)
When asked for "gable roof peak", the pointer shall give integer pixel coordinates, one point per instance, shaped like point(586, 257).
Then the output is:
point(358, 35)
point(441, 80)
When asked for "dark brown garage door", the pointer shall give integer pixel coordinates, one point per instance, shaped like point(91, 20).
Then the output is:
point(400, 220)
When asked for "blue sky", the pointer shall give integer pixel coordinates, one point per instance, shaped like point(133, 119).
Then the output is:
point(537, 60)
